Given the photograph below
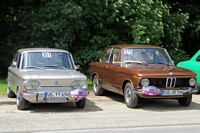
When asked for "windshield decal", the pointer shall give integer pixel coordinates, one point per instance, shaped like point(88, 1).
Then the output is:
point(46, 55)
point(128, 51)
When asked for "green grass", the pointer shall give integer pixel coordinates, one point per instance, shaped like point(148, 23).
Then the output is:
point(3, 86)
point(89, 82)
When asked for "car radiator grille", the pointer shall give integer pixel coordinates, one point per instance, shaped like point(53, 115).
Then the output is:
point(169, 82)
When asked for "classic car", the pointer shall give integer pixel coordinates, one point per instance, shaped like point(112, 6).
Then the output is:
point(194, 65)
point(141, 71)
point(45, 75)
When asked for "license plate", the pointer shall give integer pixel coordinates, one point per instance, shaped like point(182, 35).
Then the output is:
point(56, 95)
point(171, 92)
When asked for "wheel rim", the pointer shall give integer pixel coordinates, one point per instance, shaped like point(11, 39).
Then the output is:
point(96, 85)
point(7, 91)
point(17, 101)
point(128, 94)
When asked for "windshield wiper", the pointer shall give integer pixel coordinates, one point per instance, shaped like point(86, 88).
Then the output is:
point(33, 67)
point(135, 62)
point(55, 66)
point(158, 63)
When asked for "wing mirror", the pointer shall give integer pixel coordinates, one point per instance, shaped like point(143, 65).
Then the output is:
point(77, 66)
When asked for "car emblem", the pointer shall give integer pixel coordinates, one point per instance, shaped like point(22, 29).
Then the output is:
point(171, 73)
point(56, 82)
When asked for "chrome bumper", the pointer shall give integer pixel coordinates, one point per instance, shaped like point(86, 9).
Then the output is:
point(40, 97)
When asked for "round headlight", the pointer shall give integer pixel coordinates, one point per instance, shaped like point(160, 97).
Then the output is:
point(144, 82)
point(75, 85)
point(192, 82)
point(31, 84)
point(79, 84)
point(28, 85)
point(35, 85)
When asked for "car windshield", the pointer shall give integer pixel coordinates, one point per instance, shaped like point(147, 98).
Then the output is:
point(147, 56)
point(55, 60)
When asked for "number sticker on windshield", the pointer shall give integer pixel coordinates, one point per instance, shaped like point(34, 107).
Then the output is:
point(46, 54)
point(128, 51)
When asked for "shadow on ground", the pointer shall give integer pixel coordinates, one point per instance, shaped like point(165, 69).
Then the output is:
point(156, 104)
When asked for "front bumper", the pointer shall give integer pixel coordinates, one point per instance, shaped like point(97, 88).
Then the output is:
point(58, 97)
point(196, 90)
point(154, 92)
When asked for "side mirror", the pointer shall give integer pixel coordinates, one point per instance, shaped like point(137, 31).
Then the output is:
point(77, 66)
point(14, 64)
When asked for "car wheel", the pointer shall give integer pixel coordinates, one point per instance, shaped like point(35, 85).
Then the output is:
point(185, 101)
point(96, 88)
point(81, 103)
point(21, 102)
point(10, 93)
point(130, 97)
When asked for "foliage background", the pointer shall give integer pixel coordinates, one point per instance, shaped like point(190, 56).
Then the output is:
point(86, 27)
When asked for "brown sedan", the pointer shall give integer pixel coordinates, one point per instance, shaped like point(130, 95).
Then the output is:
point(141, 71)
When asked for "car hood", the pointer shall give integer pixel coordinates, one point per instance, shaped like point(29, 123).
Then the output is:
point(54, 74)
point(170, 70)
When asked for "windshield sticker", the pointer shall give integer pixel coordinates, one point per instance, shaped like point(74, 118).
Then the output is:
point(46, 54)
point(128, 51)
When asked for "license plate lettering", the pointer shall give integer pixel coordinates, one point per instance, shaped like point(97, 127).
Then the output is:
point(171, 92)
point(56, 95)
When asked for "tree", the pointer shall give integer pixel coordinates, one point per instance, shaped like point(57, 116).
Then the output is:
point(86, 27)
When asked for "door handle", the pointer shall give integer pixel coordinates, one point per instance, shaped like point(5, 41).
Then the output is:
point(105, 66)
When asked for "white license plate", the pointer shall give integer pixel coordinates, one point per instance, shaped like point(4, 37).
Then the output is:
point(171, 92)
point(56, 95)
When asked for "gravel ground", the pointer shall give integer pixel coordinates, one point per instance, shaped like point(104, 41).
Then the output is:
point(100, 112)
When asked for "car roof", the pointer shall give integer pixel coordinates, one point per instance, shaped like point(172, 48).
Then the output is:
point(134, 46)
point(23, 50)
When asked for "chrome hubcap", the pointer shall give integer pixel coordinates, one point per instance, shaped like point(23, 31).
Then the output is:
point(95, 84)
point(17, 101)
point(128, 95)
point(7, 91)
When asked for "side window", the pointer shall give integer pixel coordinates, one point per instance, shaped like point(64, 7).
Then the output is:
point(198, 58)
point(116, 56)
point(106, 56)
point(16, 60)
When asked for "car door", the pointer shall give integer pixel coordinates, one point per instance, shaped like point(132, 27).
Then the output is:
point(13, 70)
point(111, 72)
point(101, 65)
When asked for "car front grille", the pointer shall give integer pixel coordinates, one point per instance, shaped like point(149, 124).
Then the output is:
point(170, 82)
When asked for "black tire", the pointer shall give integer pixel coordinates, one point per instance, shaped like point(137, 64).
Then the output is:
point(185, 101)
point(10, 93)
point(21, 102)
point(81, 104)
point(130, 97)
point(96, 88)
